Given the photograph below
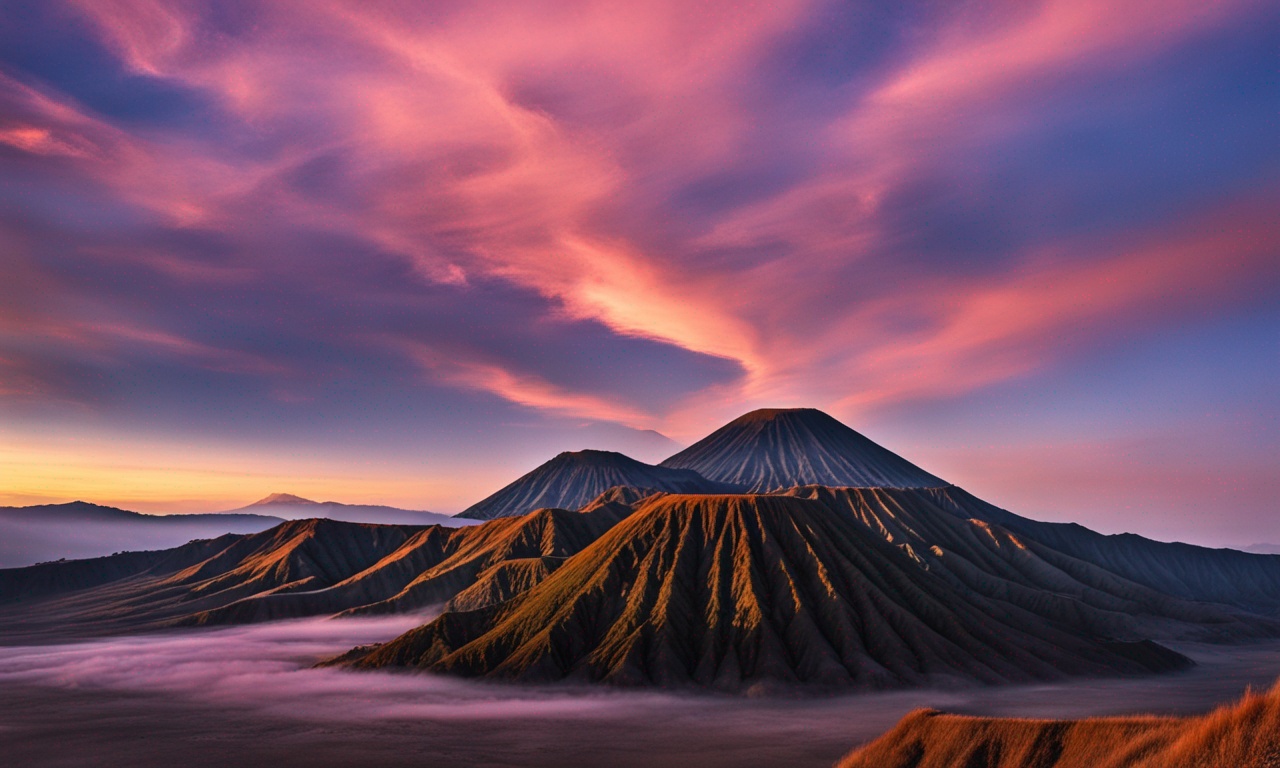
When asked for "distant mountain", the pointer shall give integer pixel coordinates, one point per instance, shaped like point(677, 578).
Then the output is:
point(290, 507)
point(79, 530)
point(1263, 549)
point(574, 478)
point(755, 592)
point(284, 499)
point(1246, 733)
point(775, 449)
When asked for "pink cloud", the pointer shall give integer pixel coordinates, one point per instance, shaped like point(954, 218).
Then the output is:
point(459, 368)
point(110, 340)
point(984, 332)
point(462, 172)
point(441, 89)
point(41, 141)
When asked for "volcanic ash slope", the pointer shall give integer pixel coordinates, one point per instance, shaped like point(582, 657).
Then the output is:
point(777, 448)
point(146, 590)
point(574, 478)
point(300, 568)
point(753, 592)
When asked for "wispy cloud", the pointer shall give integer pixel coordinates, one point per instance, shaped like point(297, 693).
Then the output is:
point(657, 215)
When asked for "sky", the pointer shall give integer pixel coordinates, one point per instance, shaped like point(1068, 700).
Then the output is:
point(400, 253)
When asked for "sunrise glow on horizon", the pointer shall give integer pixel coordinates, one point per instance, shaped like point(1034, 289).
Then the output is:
point(400, 253)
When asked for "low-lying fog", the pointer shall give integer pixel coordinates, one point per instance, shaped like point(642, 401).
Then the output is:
point(25, 540)
point(246, 696)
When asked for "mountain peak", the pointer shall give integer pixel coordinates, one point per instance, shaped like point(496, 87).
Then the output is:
point(281, 498)
point(574, 478)
point(593, 457)
point(753, 592)
point(777, 448)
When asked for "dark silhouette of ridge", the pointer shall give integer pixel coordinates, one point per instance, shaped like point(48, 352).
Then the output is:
point(777, 448)
point(1247, 580)
point(574, 478)
point(88, 512)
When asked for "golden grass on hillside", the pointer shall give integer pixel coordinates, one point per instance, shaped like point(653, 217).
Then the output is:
point(1245, 734)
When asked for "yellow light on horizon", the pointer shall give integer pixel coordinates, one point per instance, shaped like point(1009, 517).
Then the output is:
point(158, 477)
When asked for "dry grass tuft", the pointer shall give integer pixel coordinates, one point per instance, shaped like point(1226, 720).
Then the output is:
point(1245, 734)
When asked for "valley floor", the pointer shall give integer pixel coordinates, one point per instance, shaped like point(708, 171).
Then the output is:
point(244, 696)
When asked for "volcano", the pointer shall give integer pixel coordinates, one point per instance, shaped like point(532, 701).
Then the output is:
point(743, 592)
point(778, 448)
point(573, 479)
point(878, 575)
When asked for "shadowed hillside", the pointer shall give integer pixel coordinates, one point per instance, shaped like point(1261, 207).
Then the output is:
point(775, 449)
point(779, 449)
point(301, 568)
point(1241, 735)
point(493, 561)
point(293, 554)
point(988, 559)
point(573, 479)
point(148, 589)
point(1251, 581)
point(755, 592)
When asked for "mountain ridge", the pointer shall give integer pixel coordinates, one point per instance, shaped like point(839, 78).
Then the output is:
point(573, 478)
point(298, 568)
point(744, 592)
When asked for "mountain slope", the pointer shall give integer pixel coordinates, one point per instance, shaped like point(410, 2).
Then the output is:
point(80, 530)
point(300, 568)
point(147, 590)
point(1246, 733)
point(435, 565)
point(753, 592)
point(572, 479)
point(1251, 581)
point(988, 559)
point(774, 449)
